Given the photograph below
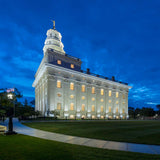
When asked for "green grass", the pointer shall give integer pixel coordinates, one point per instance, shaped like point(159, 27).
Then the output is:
point(20, 147)
point(146, 132)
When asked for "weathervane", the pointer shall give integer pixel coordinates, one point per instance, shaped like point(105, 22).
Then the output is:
point(53, 24)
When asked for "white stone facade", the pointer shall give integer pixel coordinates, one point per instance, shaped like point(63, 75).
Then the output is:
point(70, 91)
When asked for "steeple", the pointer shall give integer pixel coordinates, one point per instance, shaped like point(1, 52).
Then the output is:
point(53, 41)
point(53, 24)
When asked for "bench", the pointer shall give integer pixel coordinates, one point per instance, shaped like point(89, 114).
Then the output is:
point(3, 129)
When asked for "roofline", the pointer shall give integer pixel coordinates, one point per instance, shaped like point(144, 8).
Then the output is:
point(47, 65)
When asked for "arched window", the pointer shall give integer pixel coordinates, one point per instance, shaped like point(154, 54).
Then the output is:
point(59, 106)
point(72, 106)
point(93, 90)
point(101, 108)
point(93, 108)
point(58, 84)
point(71, 86)
point(83, 107)
point(83, 88)
point(102, 92)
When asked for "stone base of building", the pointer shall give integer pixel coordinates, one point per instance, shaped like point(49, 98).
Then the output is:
point(66, 115)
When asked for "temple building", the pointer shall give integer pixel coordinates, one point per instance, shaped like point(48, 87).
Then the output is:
point(61, 86)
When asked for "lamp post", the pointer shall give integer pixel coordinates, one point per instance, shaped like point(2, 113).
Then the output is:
point(10, 131)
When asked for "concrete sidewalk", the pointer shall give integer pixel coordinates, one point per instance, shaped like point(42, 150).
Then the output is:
point(122, 146)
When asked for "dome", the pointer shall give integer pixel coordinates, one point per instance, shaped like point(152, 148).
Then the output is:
point(53, 41)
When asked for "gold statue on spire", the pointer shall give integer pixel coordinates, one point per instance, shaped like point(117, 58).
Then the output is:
point(53, 24)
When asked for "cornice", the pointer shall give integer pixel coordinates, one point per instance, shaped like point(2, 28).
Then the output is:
point(44, 66)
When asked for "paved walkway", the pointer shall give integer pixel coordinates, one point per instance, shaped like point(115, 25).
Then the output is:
point(122, 146)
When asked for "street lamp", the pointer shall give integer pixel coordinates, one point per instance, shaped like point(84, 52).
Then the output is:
point(10, 131)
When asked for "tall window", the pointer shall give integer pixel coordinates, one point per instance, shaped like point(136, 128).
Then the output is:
point(72, 106)
point(83, 107)
point(110, 93)
point(102, 92)
point(110, 101)
point(123, 110)
point(93, 90)
point(117, 102)
point(117, 94)
point(59, 106)
point(72, 65)
point(123, 96)
point(71, 86)
point(117, 109)
point(59, 62)
point(58, 84)
point(83, 88)
point(101, 108)
point(109, 108)
point(93, 108)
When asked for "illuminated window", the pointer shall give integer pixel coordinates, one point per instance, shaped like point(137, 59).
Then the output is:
point(123, 110)
point(71, 106)
point(109, 109)
point(117, 109)
point(102, 92)
point(83, 97)
point(117, 94)
point(93, 108)
point(117, 102)
point(93, 90)
point(83, 107)
point(110, 101)
point(59, 62)
point(72, 65)
point(123, 102)
point(102, 100)
point(59, 106)
point(59, 95)
point(72, 116)
point(101, 108)
point(71, 86)
point(72, 96)
point(93, 116)
point(93, 99)
point(83, 88)
point(110, 93)
point(123, 96)
point(58, 84)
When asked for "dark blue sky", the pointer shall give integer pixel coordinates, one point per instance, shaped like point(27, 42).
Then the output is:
point(120, 38)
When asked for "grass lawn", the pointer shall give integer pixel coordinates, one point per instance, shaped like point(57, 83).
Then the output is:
point(146, 132)
point(20, 147)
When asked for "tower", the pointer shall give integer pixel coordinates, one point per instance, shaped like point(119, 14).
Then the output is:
point(53, 41)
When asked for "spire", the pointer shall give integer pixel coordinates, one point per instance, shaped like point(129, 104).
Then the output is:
point(53, 24)
point(53, 40)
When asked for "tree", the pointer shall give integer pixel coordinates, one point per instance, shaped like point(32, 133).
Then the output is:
point(55, 113)
point(131, 112)
point(2, 114)
point(32, 102)
point(158, 107)
point(147, 112)
point(137, 113)
point(37, 113)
